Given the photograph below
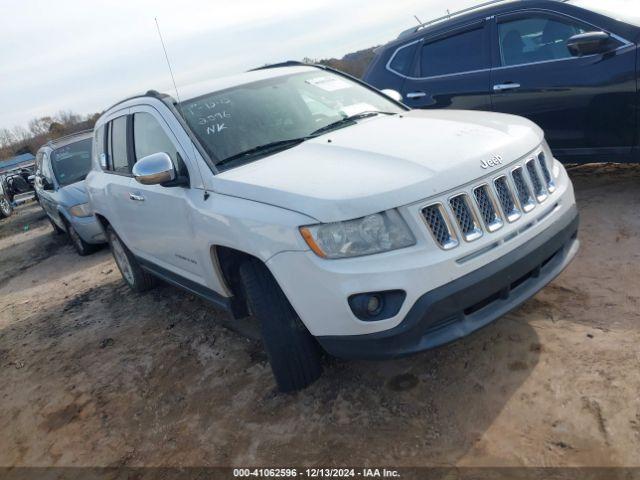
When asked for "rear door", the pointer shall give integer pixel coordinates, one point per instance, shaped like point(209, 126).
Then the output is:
point(585, 105)
point(451, 69)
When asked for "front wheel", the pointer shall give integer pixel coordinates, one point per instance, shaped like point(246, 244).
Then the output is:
point(294, 354)
point(133, 274)
point(5, 207)
point(83, 248)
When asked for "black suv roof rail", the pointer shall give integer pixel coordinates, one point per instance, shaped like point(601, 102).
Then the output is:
point(287, 63)
point(417, 28)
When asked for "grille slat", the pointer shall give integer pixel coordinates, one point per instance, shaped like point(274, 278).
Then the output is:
point(538, 188)
point(442, 234)
point(466, 218)
point(542, 160)
point(524, 192)
point(507, 201)
point(488, 208)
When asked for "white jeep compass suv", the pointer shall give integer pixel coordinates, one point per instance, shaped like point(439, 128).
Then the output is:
point(340, 219)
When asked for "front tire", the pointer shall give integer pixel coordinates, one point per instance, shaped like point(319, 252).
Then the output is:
point(83, 248)
point(132, 273)
point(5, 207)
point(294, 354)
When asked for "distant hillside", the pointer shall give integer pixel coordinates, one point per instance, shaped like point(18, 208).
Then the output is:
point(352, 63)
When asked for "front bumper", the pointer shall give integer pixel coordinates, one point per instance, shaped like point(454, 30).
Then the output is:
point(471, 302)
point(88, 228)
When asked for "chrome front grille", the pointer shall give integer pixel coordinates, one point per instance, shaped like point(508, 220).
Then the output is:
point(507, 200)
point(542, 161)
point(435, 217)
point(488, 208)
point(485, 208)
point(539, 189)
point(523, 191)
point(466, 217)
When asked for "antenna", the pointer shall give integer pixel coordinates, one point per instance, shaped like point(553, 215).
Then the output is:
point(173, 79)
point(166, 56)
point(416, 17)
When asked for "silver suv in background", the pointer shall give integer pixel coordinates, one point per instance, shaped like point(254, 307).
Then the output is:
point(62, 165)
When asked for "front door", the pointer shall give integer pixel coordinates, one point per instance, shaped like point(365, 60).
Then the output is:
point(159, 218)
point(585, 105)
point(451, 70)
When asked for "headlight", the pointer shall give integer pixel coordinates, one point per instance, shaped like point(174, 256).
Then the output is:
point(82, 210)
point(376, 233)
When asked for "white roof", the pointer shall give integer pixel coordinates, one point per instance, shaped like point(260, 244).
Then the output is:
point(214, 85)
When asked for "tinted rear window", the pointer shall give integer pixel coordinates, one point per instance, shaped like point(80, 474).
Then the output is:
point(459, 53)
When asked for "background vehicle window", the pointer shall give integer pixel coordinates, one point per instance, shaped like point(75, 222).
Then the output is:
point(150, 138)
point(535, 39)
point(403, 59)
point(72, 162)
point(118, 145)
point(460, 53)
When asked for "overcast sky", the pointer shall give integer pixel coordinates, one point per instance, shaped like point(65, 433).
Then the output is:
point(84, 55)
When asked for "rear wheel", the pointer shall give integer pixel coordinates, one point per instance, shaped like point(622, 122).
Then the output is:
point(5, 207)
point(133, 274)
point(294, 354)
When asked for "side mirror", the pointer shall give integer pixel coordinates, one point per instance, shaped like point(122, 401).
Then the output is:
point(46, 184)
point(588, 43)
point(394, 95)
point(154, 169)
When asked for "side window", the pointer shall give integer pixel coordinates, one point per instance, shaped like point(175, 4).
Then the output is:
point(403, 59)
point(535, 39)
point(98, 144)
point(464, 52)
point(119, 160)
point(150, 138)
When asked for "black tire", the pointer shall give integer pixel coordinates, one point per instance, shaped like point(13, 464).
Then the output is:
point(83, 248)
point(56, 229)
point(132, 273)
point(294, 354)
point(5, 207)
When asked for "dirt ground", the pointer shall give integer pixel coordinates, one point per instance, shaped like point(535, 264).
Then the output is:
point(92, 374)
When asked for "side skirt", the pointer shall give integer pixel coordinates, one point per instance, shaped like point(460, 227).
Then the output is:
point(224, 303)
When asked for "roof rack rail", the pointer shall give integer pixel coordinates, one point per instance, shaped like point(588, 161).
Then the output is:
point(417, 28)
point(70, 135)
point(448, 16)
point(287, 63)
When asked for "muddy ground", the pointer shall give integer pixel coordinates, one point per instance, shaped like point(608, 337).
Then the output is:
point(92, 374)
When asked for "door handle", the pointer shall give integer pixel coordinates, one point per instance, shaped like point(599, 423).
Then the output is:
point(136, 197)
point(503, 87)
point(414, 95)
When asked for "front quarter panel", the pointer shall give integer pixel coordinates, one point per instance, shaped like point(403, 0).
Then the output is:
point(254, 228)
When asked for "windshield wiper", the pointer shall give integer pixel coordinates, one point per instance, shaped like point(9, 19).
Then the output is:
point(266, 148)
point(348, 120)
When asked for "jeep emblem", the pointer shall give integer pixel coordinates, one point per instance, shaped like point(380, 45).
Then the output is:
point(492, 162)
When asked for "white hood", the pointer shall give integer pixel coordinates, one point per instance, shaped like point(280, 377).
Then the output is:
point(382, 162)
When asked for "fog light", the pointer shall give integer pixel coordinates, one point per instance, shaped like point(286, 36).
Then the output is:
point(374, 305)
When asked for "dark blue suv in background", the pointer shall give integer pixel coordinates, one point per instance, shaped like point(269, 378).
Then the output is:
point(570, 69)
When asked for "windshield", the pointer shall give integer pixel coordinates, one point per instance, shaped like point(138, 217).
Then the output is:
point(72, 162)
point(247, 117)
